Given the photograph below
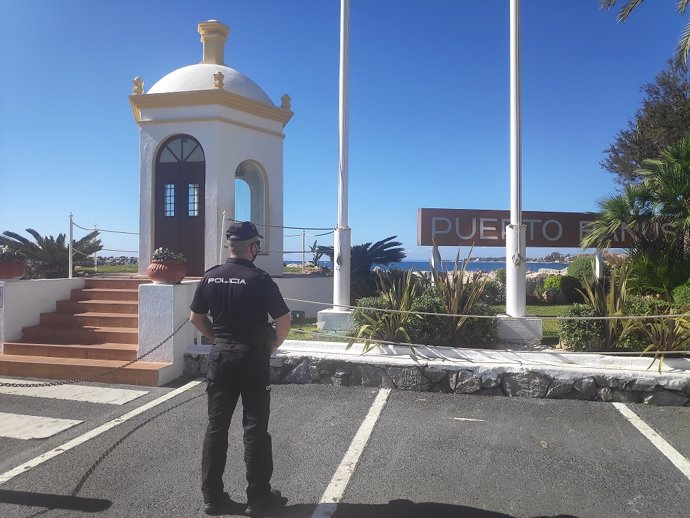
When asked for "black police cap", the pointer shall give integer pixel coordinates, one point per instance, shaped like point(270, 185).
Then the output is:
point(242, 231)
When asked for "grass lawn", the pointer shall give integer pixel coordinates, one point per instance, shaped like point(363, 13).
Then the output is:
point(307, 331)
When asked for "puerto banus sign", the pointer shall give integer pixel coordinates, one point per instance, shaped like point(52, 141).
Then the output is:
point(468, 227)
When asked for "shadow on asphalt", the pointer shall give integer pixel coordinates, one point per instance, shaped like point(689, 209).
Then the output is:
point(400, 509)
point(49, 501)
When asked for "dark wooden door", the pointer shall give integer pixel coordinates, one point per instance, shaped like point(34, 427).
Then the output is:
point(180, 195)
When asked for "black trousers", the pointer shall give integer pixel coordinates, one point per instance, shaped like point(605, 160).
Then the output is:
point(235, 371)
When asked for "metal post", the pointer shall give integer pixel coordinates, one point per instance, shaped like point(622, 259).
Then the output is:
point(341, 266)
point(599, 265)
point(222, 240)
point(516, 267)
point(95, 254)
point(304, 245)
point(71, 245)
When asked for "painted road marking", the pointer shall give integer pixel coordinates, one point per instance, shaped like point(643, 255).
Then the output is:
point(23, 468)
point(106, 395)
point(336, 488)
point(18, 426)
point(468, 419)
point(657, 440)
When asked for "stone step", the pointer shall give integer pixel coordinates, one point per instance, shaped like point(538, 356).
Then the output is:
point(79, 335)
point(97, 306)
point(90, 319)
point(116, 283)
point(130, 295)
point(139, 373)
point(122, 352)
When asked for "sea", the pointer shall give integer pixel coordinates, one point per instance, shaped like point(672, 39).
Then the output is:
point(479, 266)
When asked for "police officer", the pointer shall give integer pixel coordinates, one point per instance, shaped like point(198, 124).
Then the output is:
point(239, 297)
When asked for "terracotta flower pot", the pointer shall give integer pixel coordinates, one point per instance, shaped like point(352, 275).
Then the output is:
point(13, 269)
point(166, 272)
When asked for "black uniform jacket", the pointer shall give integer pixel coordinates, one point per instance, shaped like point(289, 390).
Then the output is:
point(239, 297)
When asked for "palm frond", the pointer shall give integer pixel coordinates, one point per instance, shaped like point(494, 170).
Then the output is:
point(682, 5)
point(683, 47)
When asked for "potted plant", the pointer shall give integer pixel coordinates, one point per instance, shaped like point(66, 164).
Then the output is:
point(167, 267)
point(12, 263)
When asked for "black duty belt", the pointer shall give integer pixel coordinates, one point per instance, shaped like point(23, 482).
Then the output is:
point(231, 346)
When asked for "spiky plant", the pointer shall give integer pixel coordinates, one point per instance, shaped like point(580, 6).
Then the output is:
point(49, 256)
point(459, 289)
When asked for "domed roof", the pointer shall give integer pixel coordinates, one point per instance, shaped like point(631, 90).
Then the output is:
point(200, 77)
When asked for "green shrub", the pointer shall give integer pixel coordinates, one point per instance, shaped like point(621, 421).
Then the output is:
point(494, 293)
point(428, 329)
point(582, 268)
point(480, 331)
point(397, 293)
point(582, 335)
point(500, 277)
point(570, 287)
point(681, 295)
point(358, 318)
point(562, 289)
point(553, 282)
point(439, 330)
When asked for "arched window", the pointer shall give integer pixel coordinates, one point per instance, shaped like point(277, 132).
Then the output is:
point(243, 201)
point(250, 195)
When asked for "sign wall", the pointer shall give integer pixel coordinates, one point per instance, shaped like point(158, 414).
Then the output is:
point(467, 227)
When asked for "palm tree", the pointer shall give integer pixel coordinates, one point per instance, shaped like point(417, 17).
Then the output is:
point(657, 214)
point(362, 258)
point(668, 180)
point(48, 256)
point(683, 46)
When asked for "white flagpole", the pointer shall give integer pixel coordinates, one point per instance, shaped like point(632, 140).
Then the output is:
point(341, 266)
point(516, 267)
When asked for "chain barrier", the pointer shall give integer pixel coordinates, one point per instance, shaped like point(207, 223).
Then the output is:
point(330, 229)
point(105, 230)
point(90, 378)
point(414, 346)
point(544, 317)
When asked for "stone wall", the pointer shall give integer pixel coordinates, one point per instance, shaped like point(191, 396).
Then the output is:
point(511, 382)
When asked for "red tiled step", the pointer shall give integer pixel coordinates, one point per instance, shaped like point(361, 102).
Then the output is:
point(97, 306)
point(140, 373)
point(122, 352)
point(131, 295)
point(80, 335)
point(108, 283)
point(89, 319)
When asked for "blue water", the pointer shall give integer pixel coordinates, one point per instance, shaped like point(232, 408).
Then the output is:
point(483, 266)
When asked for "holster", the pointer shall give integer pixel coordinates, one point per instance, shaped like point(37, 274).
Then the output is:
point(270, 334)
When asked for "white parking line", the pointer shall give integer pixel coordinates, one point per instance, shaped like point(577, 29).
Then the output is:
point(23, 468)
point(19, 426)
point(664, 447)
point(334, 492)
point(86, 393)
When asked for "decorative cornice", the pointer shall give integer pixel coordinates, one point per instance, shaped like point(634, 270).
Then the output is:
point(206, 97)
point(212, 119)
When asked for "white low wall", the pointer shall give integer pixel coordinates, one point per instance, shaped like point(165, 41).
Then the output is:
point(162, 308)
point(22, 302)
point(317, 289)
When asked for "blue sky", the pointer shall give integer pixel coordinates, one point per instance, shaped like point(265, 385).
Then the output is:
point(429, 104)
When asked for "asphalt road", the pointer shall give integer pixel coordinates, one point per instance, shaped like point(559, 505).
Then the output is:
point(428, 455)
